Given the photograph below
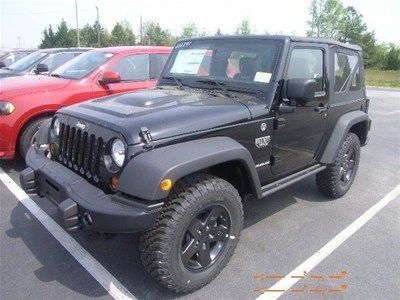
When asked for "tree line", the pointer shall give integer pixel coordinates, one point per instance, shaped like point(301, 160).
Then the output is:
point(122, 35)
point(328, 18)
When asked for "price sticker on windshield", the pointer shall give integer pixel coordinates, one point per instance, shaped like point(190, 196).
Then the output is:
point(188, 61)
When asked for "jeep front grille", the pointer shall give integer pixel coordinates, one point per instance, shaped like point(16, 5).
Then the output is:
point(80, 151)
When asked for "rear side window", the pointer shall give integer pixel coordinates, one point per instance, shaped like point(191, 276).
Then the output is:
point(308, 64)
point(356, 83)
point(345, 70)
point(133, 67)
point(157, 62)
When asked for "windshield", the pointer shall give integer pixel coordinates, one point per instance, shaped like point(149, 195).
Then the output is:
point(27, 61)
point(231, 64)
point(82, 65)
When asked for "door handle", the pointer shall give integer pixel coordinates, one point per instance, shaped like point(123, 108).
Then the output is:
point(321, 109)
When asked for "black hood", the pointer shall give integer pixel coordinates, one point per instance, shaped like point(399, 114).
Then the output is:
point(166, 113)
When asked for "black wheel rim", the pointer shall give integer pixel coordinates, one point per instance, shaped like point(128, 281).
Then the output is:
point(205, 238)
point(347, 167)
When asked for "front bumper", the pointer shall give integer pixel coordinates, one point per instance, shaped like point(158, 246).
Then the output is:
point(81, 205)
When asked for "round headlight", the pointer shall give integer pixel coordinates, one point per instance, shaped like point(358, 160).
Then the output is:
point(118, 152)
point(6, 107)
point(56, 127)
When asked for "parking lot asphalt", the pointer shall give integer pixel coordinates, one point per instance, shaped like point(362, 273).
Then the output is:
point(280, 233)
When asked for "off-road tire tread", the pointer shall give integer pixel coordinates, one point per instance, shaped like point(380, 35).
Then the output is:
point(327, 180)
point(153, 241)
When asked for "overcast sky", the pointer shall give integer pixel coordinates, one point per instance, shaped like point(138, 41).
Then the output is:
point(27, 18)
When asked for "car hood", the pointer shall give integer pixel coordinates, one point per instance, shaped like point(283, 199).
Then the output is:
point(30, 84)
point(165, 113)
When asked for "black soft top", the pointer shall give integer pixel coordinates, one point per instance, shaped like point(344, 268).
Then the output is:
point(283, 38)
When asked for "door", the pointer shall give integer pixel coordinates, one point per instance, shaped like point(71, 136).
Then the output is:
point(134, 71)
point(297, 140)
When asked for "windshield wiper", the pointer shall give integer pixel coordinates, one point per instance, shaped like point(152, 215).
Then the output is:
point(177, 81)
point(221, 86)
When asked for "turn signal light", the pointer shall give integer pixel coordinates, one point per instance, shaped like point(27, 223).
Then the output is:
point(114, 182)
point(53, 150)
point(166, 185)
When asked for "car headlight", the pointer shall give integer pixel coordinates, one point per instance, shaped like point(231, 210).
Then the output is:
point(56, 127)
point(118, 151)
point(6, 107)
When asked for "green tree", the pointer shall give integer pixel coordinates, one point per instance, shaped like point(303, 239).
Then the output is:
point(326, 18)
point(189, 30)
point(122, 34)
point(218, 32)
point(352, 27)
point(243, 28)
point(49, 39)
point(64, 36)
point(88, 36)
point(330, 18)
point(155, 35)
point(393, 58)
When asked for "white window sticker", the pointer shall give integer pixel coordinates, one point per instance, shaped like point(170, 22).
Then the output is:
point(188, 61)
point(263, 77)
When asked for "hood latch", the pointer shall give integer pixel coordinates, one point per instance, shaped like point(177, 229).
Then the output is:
point(146, 138)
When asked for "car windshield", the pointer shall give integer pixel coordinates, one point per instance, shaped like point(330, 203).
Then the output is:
point(229, 64)
point(27, 61)
point(82, 65)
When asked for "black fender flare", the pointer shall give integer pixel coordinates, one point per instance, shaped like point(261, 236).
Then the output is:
point(143, 174)
point(343, 126)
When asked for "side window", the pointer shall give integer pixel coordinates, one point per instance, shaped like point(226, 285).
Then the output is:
point(344, 69)
point(356, 82)
point(58, 59)
point(309, 64)
point(157, 64)
point(133, 67)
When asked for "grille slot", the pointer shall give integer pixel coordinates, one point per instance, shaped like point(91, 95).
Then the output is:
point(80, 151)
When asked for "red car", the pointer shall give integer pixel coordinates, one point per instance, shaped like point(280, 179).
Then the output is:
point(25, 102)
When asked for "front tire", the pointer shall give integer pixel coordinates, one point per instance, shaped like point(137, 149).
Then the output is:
point(337, 178)
point(196, 234)
point(27, 137)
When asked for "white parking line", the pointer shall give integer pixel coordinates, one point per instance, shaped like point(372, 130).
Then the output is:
point(287, 282)
point(108, 281)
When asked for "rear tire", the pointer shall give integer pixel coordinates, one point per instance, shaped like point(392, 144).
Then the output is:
point(337, 178)
point(196, 234)
point(26, 138)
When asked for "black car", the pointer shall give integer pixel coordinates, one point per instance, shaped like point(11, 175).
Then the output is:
point(41, 61)
point(230, 117)
point(9, 57)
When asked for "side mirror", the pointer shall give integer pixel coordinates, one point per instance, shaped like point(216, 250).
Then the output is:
point(110, 77)
point(301, 89)
point(2, 64)
point(41, 68)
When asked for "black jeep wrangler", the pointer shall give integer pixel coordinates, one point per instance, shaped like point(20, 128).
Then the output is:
point(230, 117)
